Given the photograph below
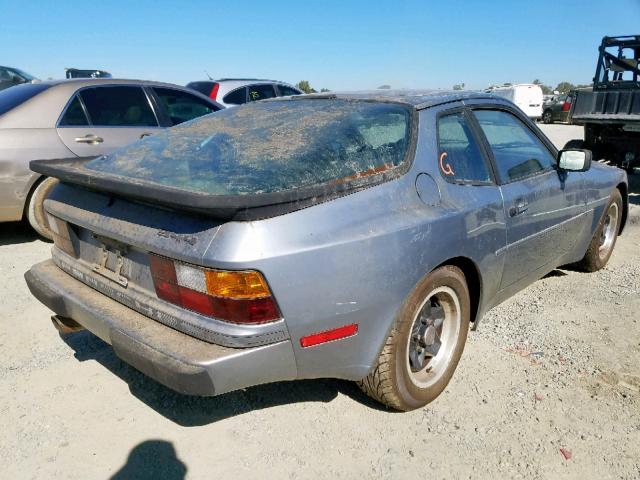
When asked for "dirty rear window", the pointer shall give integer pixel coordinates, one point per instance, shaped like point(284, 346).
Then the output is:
point(269, 147)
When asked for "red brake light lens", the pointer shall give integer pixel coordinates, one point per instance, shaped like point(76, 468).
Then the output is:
point(237, 297)
point(214, 91)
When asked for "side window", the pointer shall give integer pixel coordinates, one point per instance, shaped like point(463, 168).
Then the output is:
point(260, 92)
point(118, 107)
point(460, 158)
point(287, 91)
point(74, 116)
point(518, 153)
point(237, 97)
point(182, 106)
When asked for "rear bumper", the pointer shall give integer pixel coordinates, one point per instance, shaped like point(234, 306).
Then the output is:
point(180, 362)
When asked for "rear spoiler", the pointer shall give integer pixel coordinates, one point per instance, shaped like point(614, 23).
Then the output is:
point(221, 207)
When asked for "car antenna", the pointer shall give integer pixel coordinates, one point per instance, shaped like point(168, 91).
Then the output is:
point(207, 73)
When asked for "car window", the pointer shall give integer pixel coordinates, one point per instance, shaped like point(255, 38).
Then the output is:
point(518, 153)
point(237, 97)
point(287, 91)
point(268, 147)
point(202, 87)
point(118, 107)
point(10, 77)
point(10, 98)
point(182, 106)
point(74, 115)
point(460, 158)
point(260, 92)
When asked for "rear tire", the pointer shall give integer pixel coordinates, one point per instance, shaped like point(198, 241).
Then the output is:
point(425, 344)
point(547, 117)
point(35, 209)
point(604, 239)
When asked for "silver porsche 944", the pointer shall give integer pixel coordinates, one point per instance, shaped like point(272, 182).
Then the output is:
point(354, 236)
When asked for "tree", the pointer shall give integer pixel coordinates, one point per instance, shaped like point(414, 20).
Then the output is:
point(305, 86)
point(564, 87)
point(546, 90)
point(324, 90)
point(384, 87)
point(458, 86)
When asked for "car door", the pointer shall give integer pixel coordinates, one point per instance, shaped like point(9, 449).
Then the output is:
point(544, 209)
point(99, 119)
point(178, 106)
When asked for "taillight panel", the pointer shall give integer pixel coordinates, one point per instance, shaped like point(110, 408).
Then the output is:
point(241, 297)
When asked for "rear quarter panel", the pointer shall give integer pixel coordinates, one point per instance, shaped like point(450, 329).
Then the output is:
point(355, 259)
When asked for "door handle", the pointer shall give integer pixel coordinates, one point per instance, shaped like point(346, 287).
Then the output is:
point(146, 134)
point(519, 208)
point(90, 139)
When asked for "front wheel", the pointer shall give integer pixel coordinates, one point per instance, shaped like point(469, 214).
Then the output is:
point(426, 343)
point(604, 239)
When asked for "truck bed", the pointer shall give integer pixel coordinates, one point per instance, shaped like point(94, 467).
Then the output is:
point(613, 106)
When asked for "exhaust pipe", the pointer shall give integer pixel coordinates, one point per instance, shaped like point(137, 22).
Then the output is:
point(66, 325)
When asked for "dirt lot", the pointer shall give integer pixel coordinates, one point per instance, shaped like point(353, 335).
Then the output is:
point(554, 369)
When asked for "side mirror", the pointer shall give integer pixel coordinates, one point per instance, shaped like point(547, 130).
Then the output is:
point(574, 160)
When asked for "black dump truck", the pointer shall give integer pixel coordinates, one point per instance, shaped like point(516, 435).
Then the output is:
point(610, 112)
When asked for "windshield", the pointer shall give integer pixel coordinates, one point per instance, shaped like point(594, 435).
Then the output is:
point(268, 147)
point(17, 95)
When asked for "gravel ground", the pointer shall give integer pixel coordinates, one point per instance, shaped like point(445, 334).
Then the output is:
point(554, 369)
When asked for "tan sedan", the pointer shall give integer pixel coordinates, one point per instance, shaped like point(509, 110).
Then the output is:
point(78, 118)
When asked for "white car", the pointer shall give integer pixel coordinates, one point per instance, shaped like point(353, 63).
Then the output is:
point(237, 91)
point(527, 96)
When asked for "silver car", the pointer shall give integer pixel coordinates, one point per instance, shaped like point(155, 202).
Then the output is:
point(78, 118)
point(238, 91)
point(349, 236)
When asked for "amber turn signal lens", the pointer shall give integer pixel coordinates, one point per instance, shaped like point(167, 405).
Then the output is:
point(238, 285)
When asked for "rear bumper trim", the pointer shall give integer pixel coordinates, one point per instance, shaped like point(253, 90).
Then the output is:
point(176, 360)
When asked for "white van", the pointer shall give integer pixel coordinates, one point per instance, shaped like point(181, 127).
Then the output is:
point(527, 96)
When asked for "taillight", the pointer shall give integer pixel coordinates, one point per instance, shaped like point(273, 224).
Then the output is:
point(232, 296)
point(566, 105)
point(214, 91)
point(61, 235)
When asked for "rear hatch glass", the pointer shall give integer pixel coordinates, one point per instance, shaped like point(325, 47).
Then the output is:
point(257, 155)
point(269, 147)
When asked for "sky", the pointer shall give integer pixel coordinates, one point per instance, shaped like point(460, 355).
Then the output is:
point(339, 45)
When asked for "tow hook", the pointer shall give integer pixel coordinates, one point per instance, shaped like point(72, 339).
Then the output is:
point(66, 325)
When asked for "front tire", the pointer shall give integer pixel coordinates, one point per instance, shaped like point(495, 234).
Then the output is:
point(604, 239)
point(35, 209)
point(425, 344)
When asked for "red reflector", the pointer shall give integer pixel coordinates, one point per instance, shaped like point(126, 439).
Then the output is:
point(329, 335)
point(214, 91)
